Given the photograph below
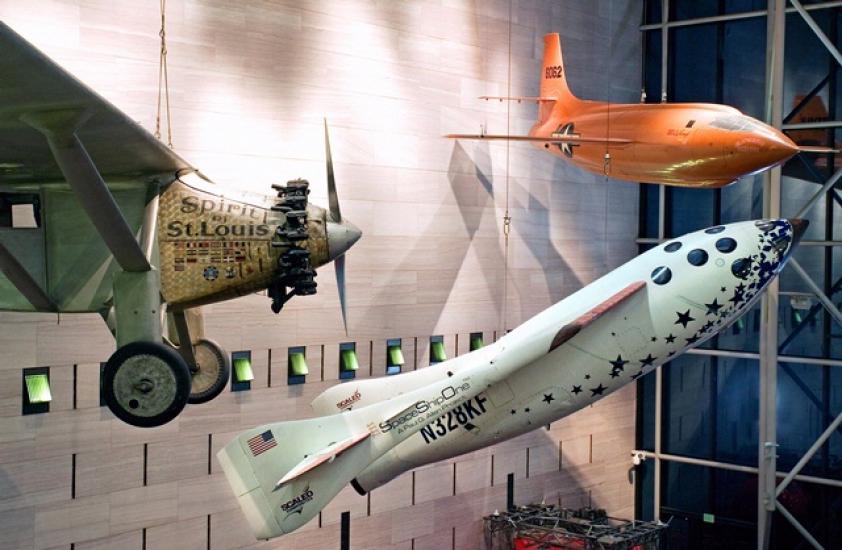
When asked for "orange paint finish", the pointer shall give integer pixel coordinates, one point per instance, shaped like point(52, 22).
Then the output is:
point(684, 144)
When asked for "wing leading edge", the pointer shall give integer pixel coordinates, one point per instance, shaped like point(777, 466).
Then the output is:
point(34, 85)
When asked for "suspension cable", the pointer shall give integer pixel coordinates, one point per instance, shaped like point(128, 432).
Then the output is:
point(163, 80)
point(507, 218)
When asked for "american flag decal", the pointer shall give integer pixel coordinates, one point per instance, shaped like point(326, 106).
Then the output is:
point(262, 442)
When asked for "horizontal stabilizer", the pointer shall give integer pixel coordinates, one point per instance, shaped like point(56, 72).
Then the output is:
point(816, 149)
point(518, 98)
point(549, 139)
point(325, 455)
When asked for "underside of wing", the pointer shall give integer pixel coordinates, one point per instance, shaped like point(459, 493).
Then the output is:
point(558, 139)
point(31, 85)
point(52, 257)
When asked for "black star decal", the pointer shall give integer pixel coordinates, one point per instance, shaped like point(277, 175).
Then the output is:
point(683, 318)
point(638, 375)
point(693, 339)
point(514, 411)
point(670, 354)
point(740, 287)
point(618, 363)
point(713, 307)
point(736, 298)
point(654, 338)
point(599, 390)
point(548, 397)
point(577, 390)
point(587, 377)
point(670, 339)
point(648, 360)
point(707, 326)
point(723, 289)
point(615, 373)
point(526, 410)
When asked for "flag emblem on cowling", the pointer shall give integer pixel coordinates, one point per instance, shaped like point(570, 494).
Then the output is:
point(262, 442)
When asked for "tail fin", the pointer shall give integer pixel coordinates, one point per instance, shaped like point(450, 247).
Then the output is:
point(283, 474)
point(553, 79)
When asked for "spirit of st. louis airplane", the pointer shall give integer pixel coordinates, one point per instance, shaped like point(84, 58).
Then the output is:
point(683, 144)
point(79, 180)
point(608, 334)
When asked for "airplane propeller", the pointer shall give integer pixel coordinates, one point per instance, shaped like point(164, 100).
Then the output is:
point(348, 234)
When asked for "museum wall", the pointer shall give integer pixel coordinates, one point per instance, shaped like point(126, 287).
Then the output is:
point(249, 85)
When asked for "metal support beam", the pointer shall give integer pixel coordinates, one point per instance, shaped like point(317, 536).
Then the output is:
point(59, 128)
point(830, 183)
point(666, 457)
point(808, 455)
point(826, 302)
point(798, 527)
point(817, 30)
point(23, 281)
point(767, 443)
point(733, 16)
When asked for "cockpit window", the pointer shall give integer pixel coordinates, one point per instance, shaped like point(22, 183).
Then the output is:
point(735, 123)
point(726, 244)
point(741, 268)
point(673, 246)
point(697, 257)
point(661, 275)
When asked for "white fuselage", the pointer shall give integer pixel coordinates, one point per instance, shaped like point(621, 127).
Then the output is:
point(682, 305)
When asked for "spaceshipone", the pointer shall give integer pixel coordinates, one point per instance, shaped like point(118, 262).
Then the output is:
point(608, 334)
point(683, 144)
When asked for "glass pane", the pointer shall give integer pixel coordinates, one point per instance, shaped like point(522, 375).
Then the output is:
point(242, 370)
point(298, 365)
point(349, 360)
point(736, 410)
point(38, 388)
point(437, 353)
point(395, 356)
point(688, 419)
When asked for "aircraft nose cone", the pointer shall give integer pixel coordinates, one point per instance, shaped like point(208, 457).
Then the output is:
point(340, 237)
point(777, 147)
point(799, 226)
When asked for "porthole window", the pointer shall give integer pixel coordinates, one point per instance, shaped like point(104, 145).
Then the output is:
point(715, 229)
point(697, 257)
point(726, 244)
point(661, 275)
point(673, 246)
point(741, 268)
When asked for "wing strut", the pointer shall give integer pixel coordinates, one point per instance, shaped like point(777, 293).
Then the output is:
point(83, 177)
point(23, 281)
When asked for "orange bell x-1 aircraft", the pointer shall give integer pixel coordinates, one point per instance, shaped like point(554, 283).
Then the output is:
point(686, 144)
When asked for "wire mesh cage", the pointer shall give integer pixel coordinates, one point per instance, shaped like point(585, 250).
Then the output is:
point(543, 527)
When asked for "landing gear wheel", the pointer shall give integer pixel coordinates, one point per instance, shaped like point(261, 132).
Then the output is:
point(146, 384)
point(213, 368)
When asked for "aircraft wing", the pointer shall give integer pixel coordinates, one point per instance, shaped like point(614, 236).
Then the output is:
point(33, 83)
point(58, 261)
point(550, 139)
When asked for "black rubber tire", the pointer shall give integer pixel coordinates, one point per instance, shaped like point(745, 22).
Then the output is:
point(223, 364)
point(180, 378)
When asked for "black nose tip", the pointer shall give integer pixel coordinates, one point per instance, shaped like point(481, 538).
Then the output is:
point(799, 226)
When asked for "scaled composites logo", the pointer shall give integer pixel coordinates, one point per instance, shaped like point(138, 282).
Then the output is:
point(421, 410)
point(349, 401)
point(295, 505)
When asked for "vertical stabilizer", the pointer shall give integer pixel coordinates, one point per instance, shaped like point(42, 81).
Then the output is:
point(554, 80)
